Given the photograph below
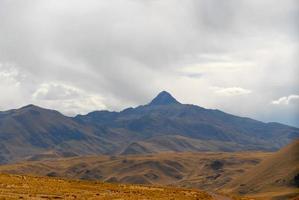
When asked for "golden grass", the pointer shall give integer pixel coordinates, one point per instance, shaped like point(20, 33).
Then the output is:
point(32, 187)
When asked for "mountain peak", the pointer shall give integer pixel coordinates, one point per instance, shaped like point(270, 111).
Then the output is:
point(30, 107)
point(164, 98)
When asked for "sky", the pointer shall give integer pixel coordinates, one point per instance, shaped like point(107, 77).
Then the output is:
point(239, 56)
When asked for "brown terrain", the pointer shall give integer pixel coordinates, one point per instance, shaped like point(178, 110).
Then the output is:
point(251, 175)
point(29, 187)
point(209, 171)
point(277, 177)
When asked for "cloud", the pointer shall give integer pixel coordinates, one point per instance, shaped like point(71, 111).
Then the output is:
point(231, 91)
point(10, 86)
point(55, 91)
point(120, 53)
point(67, 99)
point(9, 74)
point(291, 99)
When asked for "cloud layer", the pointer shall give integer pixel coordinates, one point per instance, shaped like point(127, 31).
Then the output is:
point(77, 56)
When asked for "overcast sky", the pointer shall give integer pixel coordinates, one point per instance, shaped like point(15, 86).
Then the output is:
point(240, 56)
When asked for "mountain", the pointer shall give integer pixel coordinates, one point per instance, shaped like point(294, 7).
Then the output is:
point(31, 130)
point(277, 177)
point(165, 118)
point(162, 125)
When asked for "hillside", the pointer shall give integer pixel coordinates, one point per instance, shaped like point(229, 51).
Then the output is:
point(162, 125)
point(276, 177)
point(29, 187)
point(208, 171)
point(31, 130)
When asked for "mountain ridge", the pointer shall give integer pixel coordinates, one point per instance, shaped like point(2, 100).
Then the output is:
point(163, 124)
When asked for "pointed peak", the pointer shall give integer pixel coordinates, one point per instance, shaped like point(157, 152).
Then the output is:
point(164, 98)
point(30, 106)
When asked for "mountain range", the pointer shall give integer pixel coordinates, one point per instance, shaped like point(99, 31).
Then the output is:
point(163, 125)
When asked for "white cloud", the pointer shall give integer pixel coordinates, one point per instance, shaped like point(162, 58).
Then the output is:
point(9, 74)
point(67, 99)
point(231, 91)
point(10, 86)
point(286, 100)
point(212, 66)
point(55, 91)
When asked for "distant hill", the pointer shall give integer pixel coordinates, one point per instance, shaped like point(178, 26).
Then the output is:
point(162, 125)
point(203, 170)
point(277, 177)
point(32, 130)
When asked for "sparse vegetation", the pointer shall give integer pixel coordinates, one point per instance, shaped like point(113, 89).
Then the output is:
point(204, 170)
point(275, 178)
point(29, 187)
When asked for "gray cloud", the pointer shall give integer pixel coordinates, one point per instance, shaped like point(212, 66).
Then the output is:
point(121, 53)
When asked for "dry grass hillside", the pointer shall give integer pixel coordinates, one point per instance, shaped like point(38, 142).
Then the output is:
point(29, 187)
point(277, 177)
point(209, 171)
